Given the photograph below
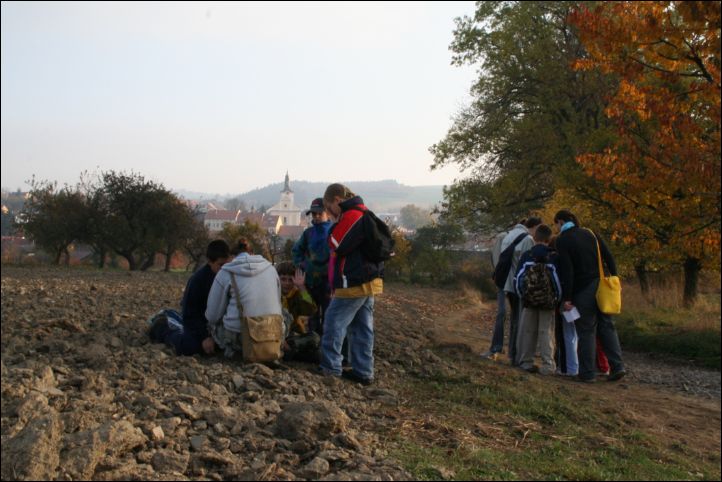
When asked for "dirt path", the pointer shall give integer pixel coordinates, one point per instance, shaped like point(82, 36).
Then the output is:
point(676, 402)
point(473, 327)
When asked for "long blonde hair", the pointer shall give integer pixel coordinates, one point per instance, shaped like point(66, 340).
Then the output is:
point(337, 190)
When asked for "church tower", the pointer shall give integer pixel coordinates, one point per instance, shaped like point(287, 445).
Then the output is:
point(289, 213)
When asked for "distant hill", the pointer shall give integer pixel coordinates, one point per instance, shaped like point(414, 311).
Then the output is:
point(380, 196)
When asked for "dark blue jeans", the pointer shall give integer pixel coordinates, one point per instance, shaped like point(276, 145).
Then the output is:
point(497, 339)
point(515, 306)
point(185, 342)
point(593, 323)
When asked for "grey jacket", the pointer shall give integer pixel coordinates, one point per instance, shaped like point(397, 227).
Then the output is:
point(524, 245)
point(258, 285)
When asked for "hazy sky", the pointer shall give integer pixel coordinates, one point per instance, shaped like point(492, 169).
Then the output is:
point(225, 97)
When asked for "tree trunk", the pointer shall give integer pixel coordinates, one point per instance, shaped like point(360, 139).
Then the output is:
point(58, 254)
point(67, 256)
point(168, 257)
point(641, 269)
point(132, 265)
point(149, 262)
point(692, 267)
point(101, 262)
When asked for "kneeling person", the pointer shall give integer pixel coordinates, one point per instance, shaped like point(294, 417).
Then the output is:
point(302, 343)
point(247, 287)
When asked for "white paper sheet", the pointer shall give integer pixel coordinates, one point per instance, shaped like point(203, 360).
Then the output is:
point(571, 315)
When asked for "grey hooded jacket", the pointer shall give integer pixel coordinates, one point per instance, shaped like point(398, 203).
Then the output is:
point(258, 285)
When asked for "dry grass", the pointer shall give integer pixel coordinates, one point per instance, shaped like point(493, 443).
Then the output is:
point(665, 294)
point(658, 322)
point(473, 296)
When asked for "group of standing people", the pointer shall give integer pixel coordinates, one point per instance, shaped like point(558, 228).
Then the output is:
point(551, 287)
point(325, 296)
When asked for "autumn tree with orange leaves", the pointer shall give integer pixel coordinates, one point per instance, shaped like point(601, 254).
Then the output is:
point(661, 173)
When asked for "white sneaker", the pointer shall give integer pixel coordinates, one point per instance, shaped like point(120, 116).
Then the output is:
point(490, 355)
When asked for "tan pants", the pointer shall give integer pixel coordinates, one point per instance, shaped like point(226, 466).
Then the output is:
point(536, 326)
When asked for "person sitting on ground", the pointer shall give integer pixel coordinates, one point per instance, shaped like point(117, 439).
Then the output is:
point(260, 294)
point(302, 343)
point(188, 333)
point(540, 291)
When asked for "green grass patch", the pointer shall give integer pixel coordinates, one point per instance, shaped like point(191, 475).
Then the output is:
point(675, 332)
point(489, 422)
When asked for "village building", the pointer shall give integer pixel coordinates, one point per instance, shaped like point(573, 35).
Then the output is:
point(286, 210)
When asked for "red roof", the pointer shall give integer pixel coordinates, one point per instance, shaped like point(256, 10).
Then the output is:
point(221, 215)
point(293, 232)
point(255, 218)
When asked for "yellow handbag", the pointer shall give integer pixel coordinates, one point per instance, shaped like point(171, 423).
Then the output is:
point(609, 291)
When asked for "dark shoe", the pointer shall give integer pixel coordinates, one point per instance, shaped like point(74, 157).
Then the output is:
point(583, 380)
point(322, 372)
point(613, 377)
point(354, 377)
point(531, 369)
point(158, 329)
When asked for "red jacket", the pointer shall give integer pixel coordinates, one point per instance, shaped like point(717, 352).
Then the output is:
point(348, 267)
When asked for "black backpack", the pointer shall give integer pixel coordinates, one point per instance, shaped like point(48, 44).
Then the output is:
point(378, 244)
point(503, 266)
point(537, 288)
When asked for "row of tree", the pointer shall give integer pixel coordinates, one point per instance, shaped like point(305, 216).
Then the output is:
point(609, 108)
point(118, 213)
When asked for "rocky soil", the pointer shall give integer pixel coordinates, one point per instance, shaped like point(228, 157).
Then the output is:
point(86, 396)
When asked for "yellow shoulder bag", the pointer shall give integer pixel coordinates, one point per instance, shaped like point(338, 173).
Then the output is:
point(609, 291)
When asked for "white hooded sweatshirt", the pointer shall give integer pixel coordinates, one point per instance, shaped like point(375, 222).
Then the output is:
point(258, 285)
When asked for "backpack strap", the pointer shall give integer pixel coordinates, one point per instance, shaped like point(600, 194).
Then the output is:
point(238, 296)
point(599, 254)
point(516, 241)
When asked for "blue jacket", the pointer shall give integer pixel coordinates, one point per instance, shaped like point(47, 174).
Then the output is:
point(311, 253)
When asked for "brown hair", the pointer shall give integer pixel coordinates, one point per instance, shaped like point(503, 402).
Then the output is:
point(532, 221)
point(339, 190)
point(566, 216)
point(543, 234)
point(241, 246)
point(286, 269)
point(553, 242)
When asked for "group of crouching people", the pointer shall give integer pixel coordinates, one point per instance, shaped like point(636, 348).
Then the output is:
point(318, 308)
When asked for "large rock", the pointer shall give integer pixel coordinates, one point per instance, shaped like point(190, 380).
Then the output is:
point(311, 420)
point(33, 454)
point(85, 450)
point(316, 468)
point(170, 461)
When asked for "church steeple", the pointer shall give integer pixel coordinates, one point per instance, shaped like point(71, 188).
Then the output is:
point(287, 187)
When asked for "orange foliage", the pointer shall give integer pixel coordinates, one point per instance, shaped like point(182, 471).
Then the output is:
point(662, 174)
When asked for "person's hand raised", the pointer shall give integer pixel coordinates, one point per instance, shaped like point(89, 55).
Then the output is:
point(299, 280)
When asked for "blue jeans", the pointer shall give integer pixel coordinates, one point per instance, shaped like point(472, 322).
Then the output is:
point(354, 316)
point(497, 339)
point(174, 335)
point(515, 306)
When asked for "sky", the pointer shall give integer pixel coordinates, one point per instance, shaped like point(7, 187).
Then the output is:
point(226, 97)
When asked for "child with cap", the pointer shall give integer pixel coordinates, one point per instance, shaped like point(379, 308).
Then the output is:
point(311, 254)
